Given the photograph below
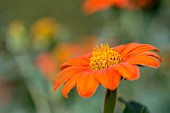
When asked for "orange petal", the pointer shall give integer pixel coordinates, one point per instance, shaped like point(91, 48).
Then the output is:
point(67, 71)
point(128, 48)
point(87, 84)
point(78, 61)
point(60, 74)
point(119, 49)
point(69, 85)
point(128, 71)
point(144, 60)
point(146, 53)
point(149, 53)
point(108, 78)
point(91, 6)
point(66, 77)
point(145, 47)
point(137, 48)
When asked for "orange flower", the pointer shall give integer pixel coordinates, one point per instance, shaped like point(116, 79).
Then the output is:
point(43, 32)
point(44, 28)
point(105, 66)
point(65, 51)
point(46, 64)
point(92, 6)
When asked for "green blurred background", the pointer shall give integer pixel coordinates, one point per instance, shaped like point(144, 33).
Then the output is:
point(37, 36)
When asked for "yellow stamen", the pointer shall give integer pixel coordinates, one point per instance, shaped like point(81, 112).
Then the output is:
point(104, 57)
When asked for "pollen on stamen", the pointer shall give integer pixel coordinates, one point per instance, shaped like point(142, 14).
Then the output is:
point(104, 57)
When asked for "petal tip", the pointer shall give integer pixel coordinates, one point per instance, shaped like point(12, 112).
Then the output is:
point(156, 66)
point(54, 89)
point(65, 95)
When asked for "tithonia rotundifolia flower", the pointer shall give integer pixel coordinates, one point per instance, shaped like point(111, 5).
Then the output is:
point(105, 66)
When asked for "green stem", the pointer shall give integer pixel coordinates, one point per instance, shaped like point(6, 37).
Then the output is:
point(110, 101)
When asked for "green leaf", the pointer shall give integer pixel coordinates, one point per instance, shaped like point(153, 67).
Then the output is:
point(134, 107)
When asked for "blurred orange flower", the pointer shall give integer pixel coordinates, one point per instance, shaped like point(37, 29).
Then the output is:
point(44, 28)
point(105, 66)
point(47, 65)
point(43, 32)
point(65, 51)
point(92, 6)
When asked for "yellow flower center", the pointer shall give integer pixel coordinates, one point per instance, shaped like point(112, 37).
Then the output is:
point(104, 57)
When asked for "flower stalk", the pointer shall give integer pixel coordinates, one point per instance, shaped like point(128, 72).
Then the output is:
point(110, 101)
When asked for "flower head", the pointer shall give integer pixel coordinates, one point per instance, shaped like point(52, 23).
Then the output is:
point(65, 51)
point(43, 32)
point(46, 63)
point(44, 28)
point(105, 66)
point(92, 6)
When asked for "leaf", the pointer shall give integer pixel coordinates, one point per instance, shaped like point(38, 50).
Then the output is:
point(134, 107)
